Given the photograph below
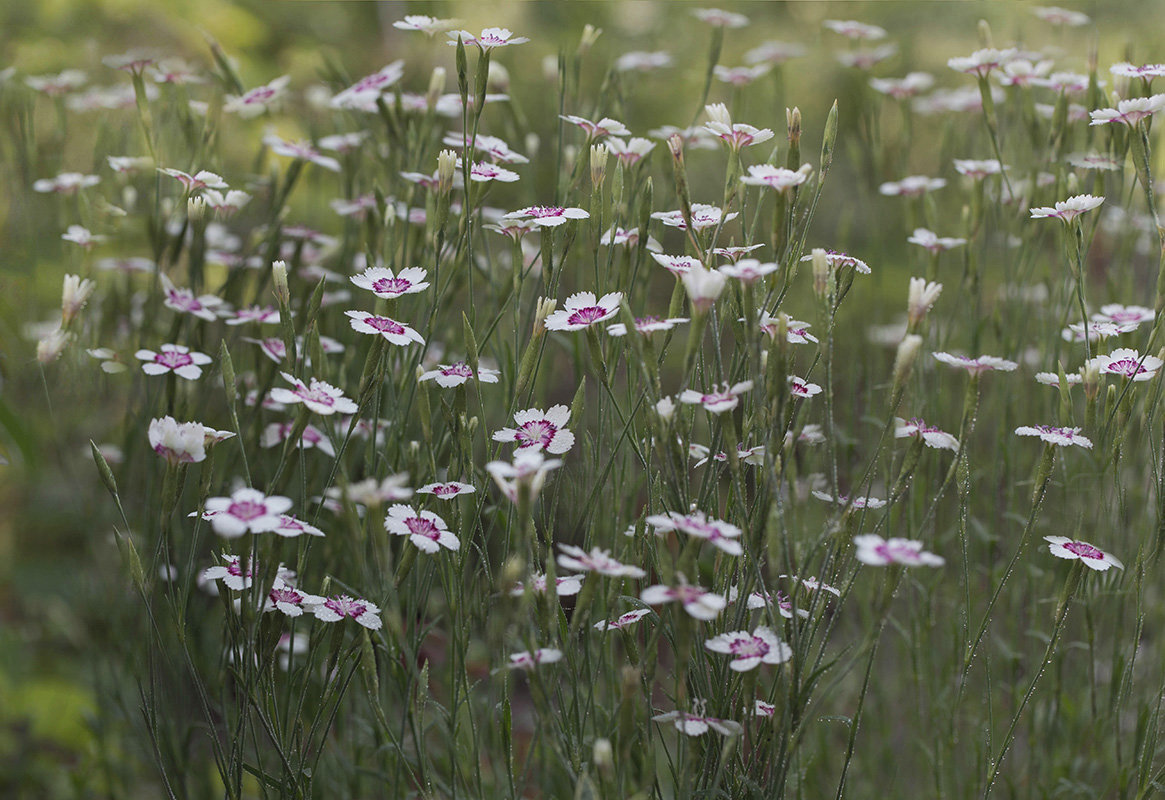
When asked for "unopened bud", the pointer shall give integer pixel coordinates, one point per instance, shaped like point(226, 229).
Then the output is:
point(513, 568)
point(590, 35)
point(1090, 374)
point(599, 154)
point(436, 86)
point(498, 79)
point(1073, 184)
point(822, 272)
point(675, 143)
point(196, 208)
point(446, 166)
point(49, 348)
point(279, 279)
point(603, 756)
point(922, 296)
point(718, 112)
point(793, 123)
point(984, 33)
point(543, 310)
point(74, 296)
point(904, 360)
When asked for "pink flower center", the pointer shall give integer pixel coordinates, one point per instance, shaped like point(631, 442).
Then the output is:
point(752, 647)
point(898, 554)
point(314, 395)
point(286, 596)
point(235, 568)
point(445, 490)
point(1083, 550)
point(586, 316)
point(542, 212)
point(391, 285)
point(385, 325)
point(419, 526)
point(1127, 367)
point(290, 523)
point(172, 359)
point(247, 510)
point(536, 433)
point(460, 370)
point(718, 397)
point(345, 606)
point(688, 594)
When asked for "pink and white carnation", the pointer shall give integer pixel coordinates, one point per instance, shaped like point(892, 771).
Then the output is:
point(540, 430)
point(878, 552)
point(176, 358)
point(427, 531)
point(320, 397)
point(750, 650)
point(245, 511)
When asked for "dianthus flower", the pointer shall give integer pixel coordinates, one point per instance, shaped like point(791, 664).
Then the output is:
point(528, 660)
point(546, 216)
point(448, 375)
point(723, 535)
point(750, 650)
point(180, 360)
point(342, 606)
point(1092, 557)
point(320, 397)
point(1056, 435)
point(622, 621)
point(1129, 364)
point(717, 402)
point(245, 511)
point(540, 430)
point(597, 560)
point(699, 724)
point(697, 601)
point(397, 333)
point(930, 435)
point(427, 531)
point(879, 552)
point(1068, 210)
point(583, 309)
point(978, 365)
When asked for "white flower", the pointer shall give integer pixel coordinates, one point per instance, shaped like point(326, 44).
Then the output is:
point(932, 241)
point(528, 469)
point(597, 560)
point(911, 186)
point(362, 94)
point(697, 601)
point(853, 29)
point(1091, 557)
point(287, 599)
point(1068, 210)
point(982, 61)
point(750, 650)
point(528, 660)
point(245, 511)
point(703, 286)
point(1130, 111)
point(182, 442)
point(1128, 364)
point(425, 24)
point(697, 725)
point(596, 130)
point(583, 309)
point(448, 375)
point(622, 621)
point(173, 358)
point(1056, 435)
point(901, 88)
point(723, 535)
point(320, 397)
point(342, 606)
point(717, 402)
point(879, 552)
point(546, 216)
point(397, 333)
point(489, 38)
point(978, 365)
point(427, 531)
point(257, 100)
point(540, 430)
point(930, 435)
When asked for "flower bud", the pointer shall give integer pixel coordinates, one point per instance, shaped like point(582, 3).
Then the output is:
point(49, 348)
point(196, 208)
point(904, 360)
point(446, 166)
point(703, 287)
point(543, 310)
point(793, 123)
point(1090, 373)
point(590, 35)
point(74, 296)
point(922, 296)
point(603, 756)
point(279, 279)
point(718, 112)
point(436, 86)
point(599, 154)
point(822, 272)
